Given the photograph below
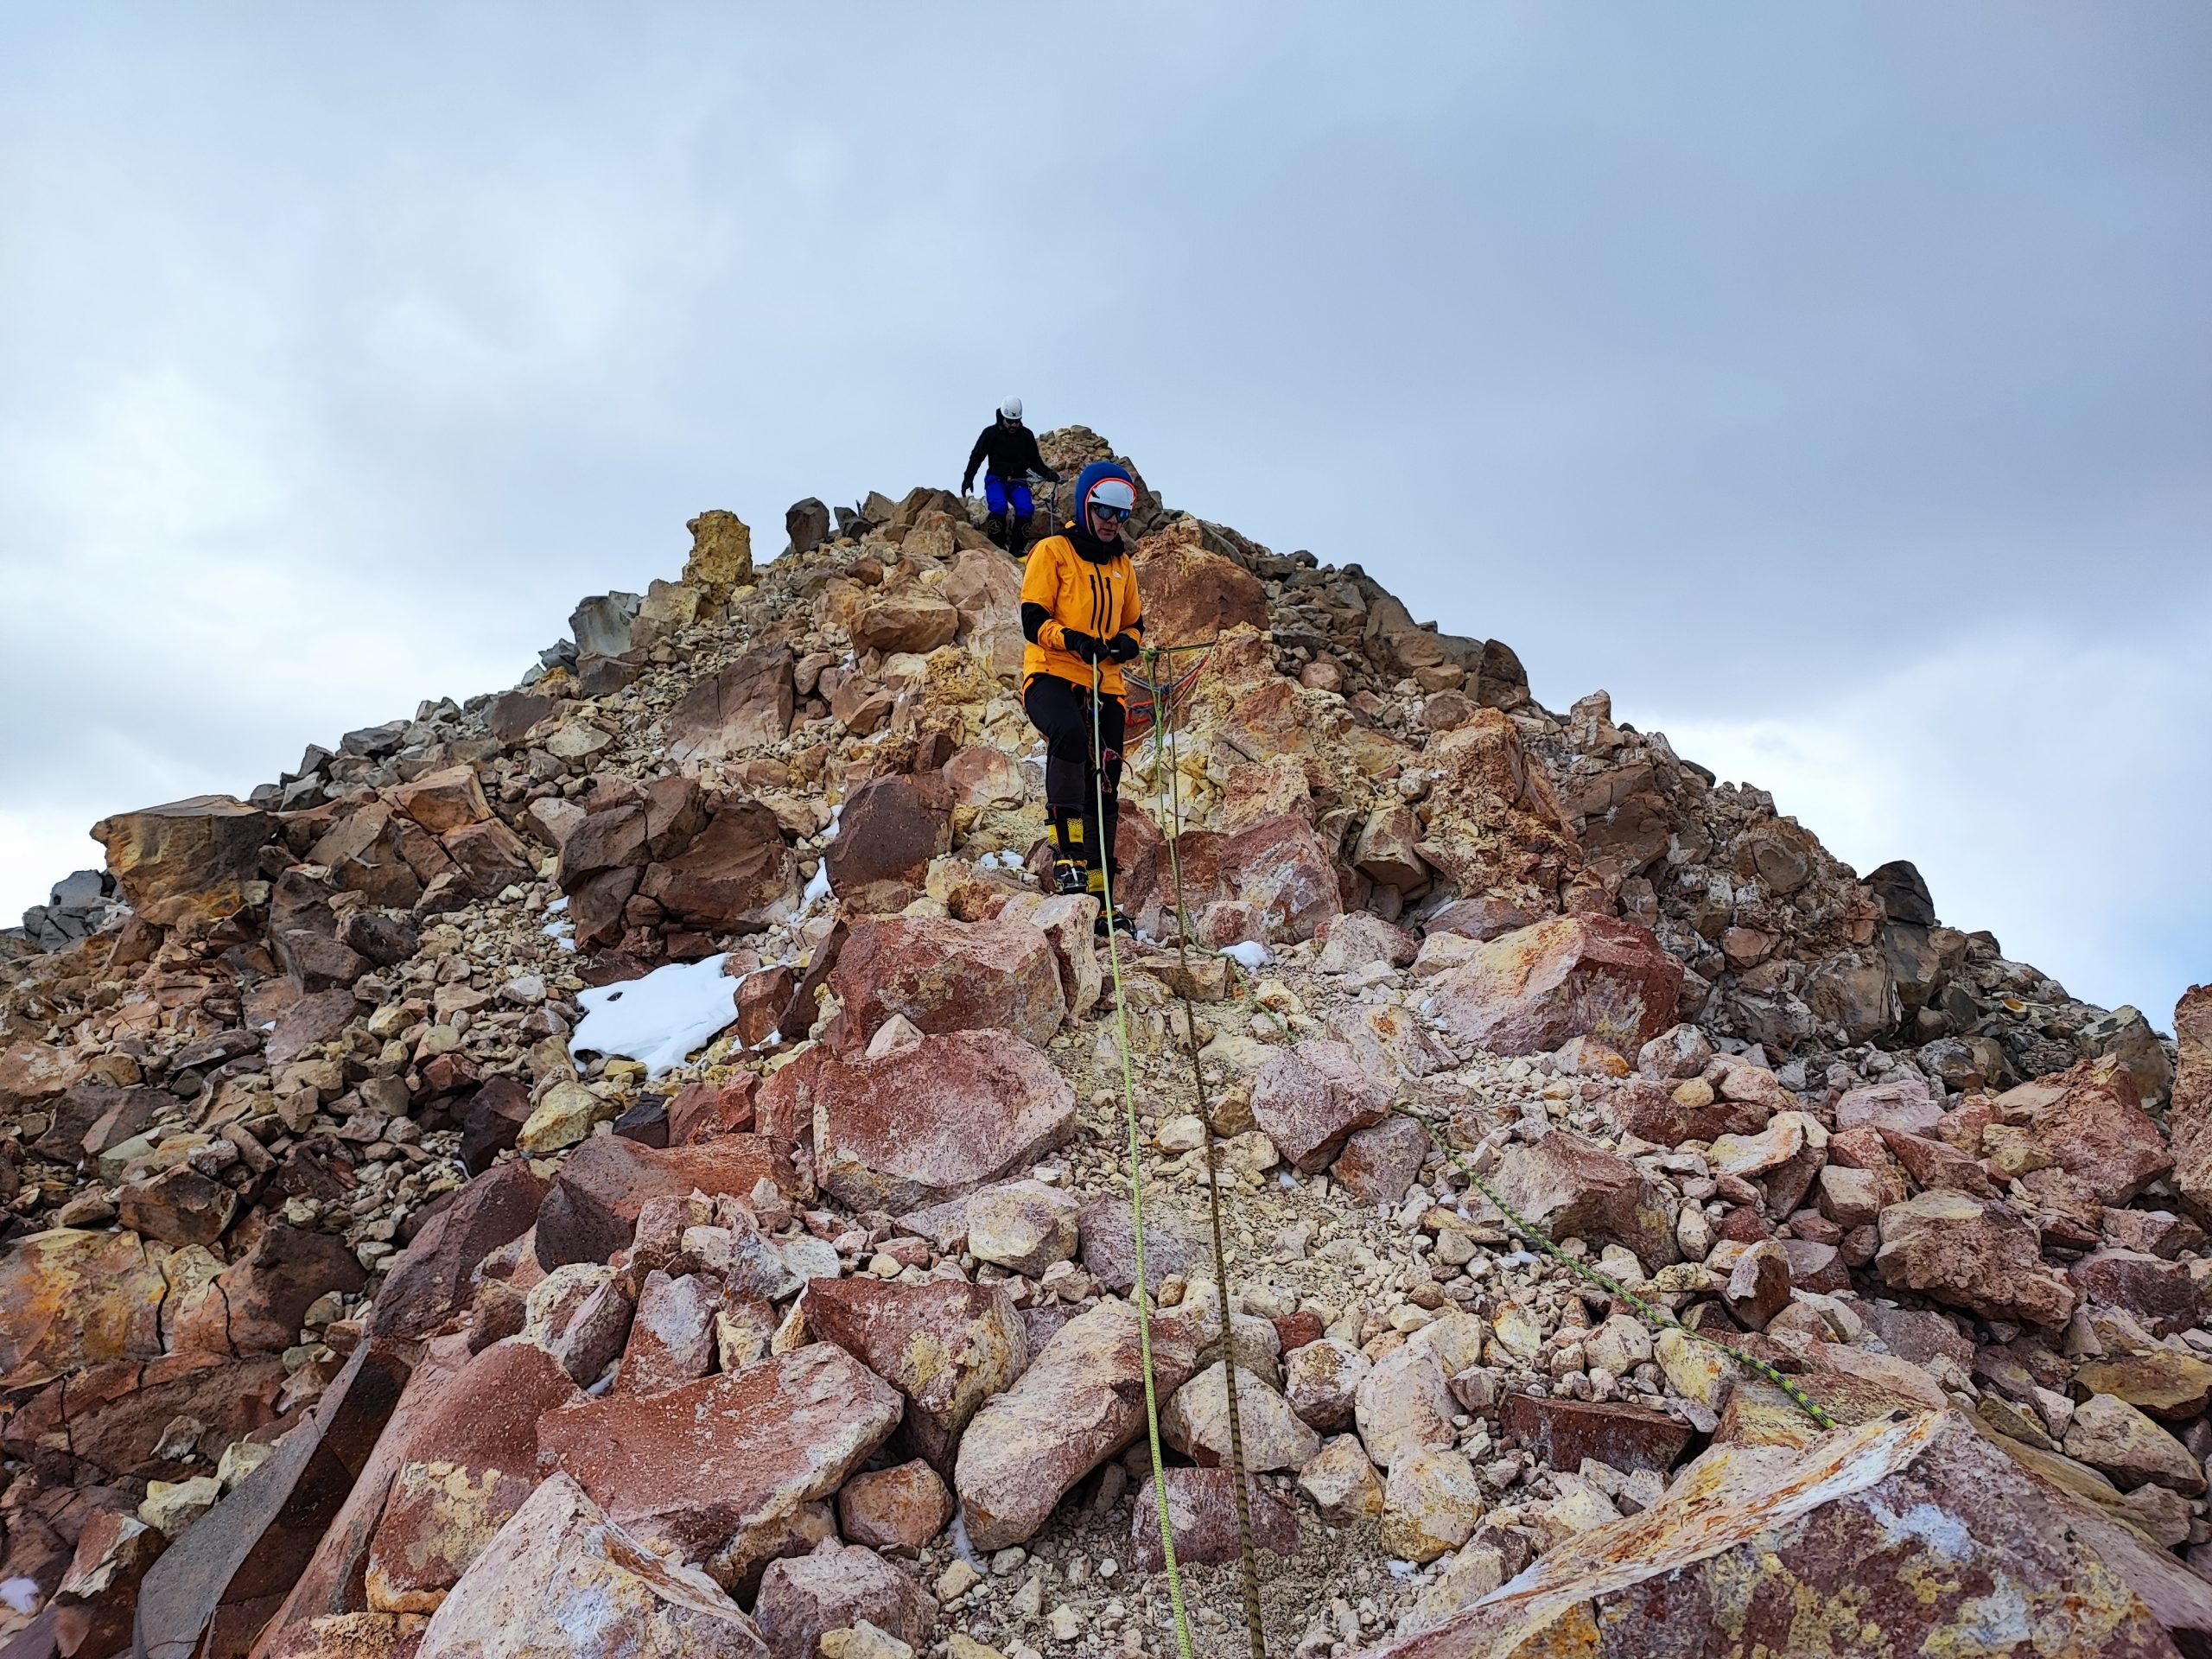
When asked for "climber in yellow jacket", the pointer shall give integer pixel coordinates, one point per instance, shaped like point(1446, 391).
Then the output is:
point(1083, 618)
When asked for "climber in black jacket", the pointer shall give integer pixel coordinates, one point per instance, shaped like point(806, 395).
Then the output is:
point(1008, 453)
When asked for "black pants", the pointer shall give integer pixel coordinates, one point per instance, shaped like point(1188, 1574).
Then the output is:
point(1061, 711)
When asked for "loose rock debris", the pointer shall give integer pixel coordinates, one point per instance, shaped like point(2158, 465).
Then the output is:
point(363, 1294)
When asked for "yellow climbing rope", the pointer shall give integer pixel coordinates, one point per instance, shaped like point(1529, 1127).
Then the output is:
point(1247, 1554)
point(1143, 1291)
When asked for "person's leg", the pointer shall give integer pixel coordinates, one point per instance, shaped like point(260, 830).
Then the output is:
point(995, 501)
point(1113, 731)
point(1056, 710)
point(1018, 519)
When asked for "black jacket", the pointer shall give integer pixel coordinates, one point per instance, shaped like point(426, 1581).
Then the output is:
point(1007, 451)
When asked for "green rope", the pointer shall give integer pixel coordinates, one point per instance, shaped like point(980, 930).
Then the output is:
point(1247, 1552)
point(1136, 1199)
point(1606, 1282)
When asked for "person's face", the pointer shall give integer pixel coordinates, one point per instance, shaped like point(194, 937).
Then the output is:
point(1106, 522)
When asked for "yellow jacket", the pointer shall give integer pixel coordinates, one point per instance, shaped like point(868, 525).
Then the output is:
point(1100, 600)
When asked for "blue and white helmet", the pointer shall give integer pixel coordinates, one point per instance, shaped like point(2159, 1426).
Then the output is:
point(1104, 483)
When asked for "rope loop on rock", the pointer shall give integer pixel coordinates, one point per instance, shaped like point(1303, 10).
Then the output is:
point(1607, 1283)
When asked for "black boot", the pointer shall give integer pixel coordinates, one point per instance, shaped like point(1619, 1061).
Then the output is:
point(994, 527)
point(1110, 918)
point(1017, 535)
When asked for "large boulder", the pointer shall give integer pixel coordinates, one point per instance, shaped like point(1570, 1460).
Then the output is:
point(924, 1123)
point(431, 1278)
point(1310, 1097)
point(1529, 991)
point(945, 976)
point(1191, 592)
point(1573, 1188)
point(1967, 1252)
point(946, 1346)
point(712, 1469)
point(890, 829)
point(721, 554)
point(906, 621)
point(834, 1588)
point(71, 1297)
point(738, 876)
point(592, 1208)
point(1080, 1401)
point(2091, 1122)
point(744, 704)
point(1789, 1549)
point(255, 1306)
point(561, 1578)
point(189, 861)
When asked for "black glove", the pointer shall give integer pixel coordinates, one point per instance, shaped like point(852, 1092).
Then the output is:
point(1123, 647)
point(1088, 646)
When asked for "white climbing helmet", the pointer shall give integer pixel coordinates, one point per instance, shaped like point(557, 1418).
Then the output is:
point(1010, 410)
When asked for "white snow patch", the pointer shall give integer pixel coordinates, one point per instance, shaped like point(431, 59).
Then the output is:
point(837, 816)
point(658, 1019)
point(22, 1595)
point(557, 906)
point(817, 886)
point(1249, 954)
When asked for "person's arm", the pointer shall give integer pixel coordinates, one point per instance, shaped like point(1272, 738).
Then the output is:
point(1125, 645)
point(1037, 461)
point(974, 459)
point(1041, 590)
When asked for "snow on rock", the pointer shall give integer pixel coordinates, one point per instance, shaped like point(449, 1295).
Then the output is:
point(658, 1019)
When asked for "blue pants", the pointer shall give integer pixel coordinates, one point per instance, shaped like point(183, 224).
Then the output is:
point(996, 497)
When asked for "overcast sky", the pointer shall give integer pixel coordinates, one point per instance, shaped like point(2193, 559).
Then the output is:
point(1831, 384)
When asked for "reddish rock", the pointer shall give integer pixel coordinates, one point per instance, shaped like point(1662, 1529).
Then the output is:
point(1191, 592)
point(592, 1208)
point(676, 811)
point(2161, 1294)
point(746, 703)
point(1933, 1163)
point(983, 776)
point(1815, 1529)
point(899, 1508)
point(709, 1468)
point(1562, 1432)
point(1310, 1098)
point(833, 1589)
point(947, 976)
point(92, 1609)
point(562, 1578)
point(2089, 1121)
point(906, 621)
point(890, 829)
point(71, 1297)
point(1758, 1283)
point(255, 1304)
point(490, 856)
point(483, 1416)
point(1380, 1163)
point(1386, 851)
point(1662, 1113)
point(440, 1518)
point(1280, 871)
point(189, 861)
point(738, 876)
point(1529, 991)
point(672, 1336)
point(430, 1281)
point(1108, 1244)
point(1969, 1253)
point(702, 1110)
point(1359, 939)
point(946, 1346)
point(443, 800)
point(113, 1420)
point(179, 1207)
point(1574, 1188)
point(2155, 1232)
point(2190, 1114)
point(609, 835)
point(1202, 1514)
point(922, 1123)
point(1081, 1400)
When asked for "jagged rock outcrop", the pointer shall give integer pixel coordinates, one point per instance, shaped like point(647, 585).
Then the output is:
point(349, 1281)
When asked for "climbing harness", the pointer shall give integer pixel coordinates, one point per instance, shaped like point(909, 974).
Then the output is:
point(1163, 707)
point(1153, 700)
point(1606, 1282)
point(1143, 1291)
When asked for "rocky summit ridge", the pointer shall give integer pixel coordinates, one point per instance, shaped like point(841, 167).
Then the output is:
point(634, 1164)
